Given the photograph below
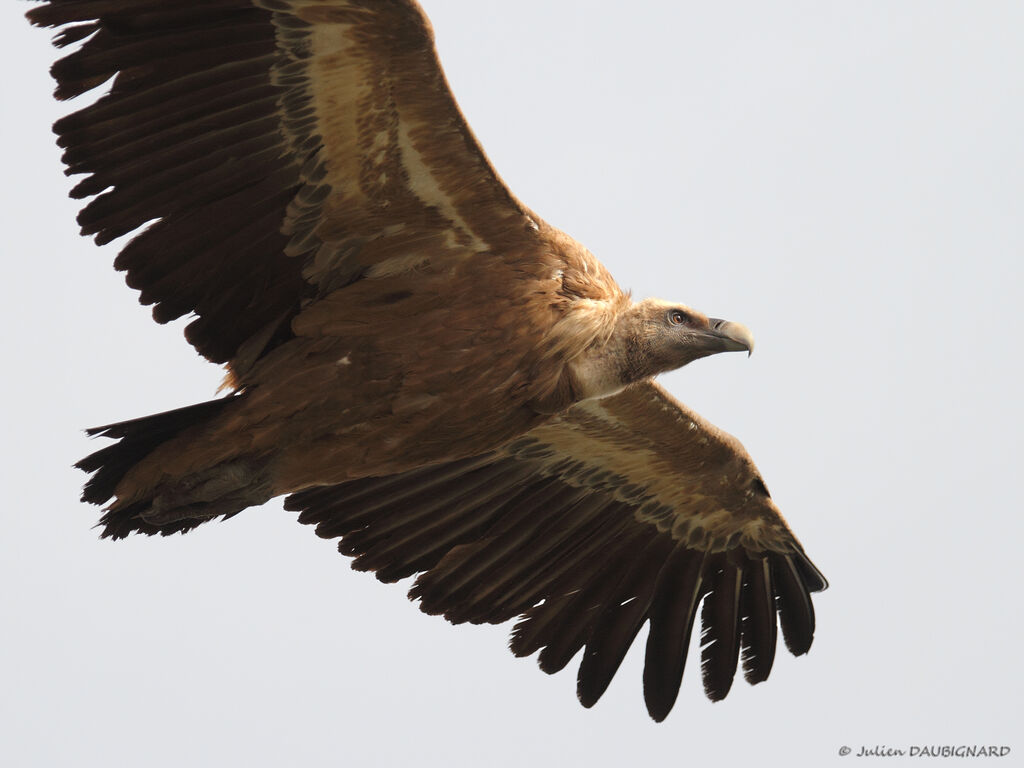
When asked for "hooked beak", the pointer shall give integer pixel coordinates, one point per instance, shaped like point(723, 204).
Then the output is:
point(733, 337)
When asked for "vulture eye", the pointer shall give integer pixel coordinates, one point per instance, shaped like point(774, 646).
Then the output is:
point(677, 317)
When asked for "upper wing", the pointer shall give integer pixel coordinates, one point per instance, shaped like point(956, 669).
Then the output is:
point(283, 148)
point(620, 511)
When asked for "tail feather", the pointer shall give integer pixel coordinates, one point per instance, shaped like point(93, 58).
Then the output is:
point(121, 522)
point(136, 439)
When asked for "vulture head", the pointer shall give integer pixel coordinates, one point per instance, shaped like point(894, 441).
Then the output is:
point(651, 337)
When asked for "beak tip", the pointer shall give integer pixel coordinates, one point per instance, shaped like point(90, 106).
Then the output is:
point(737, 333)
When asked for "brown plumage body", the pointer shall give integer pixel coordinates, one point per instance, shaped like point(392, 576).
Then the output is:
point(399, 371)
point(432, 373)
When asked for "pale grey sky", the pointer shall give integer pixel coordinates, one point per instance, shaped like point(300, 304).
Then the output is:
point(847, 178)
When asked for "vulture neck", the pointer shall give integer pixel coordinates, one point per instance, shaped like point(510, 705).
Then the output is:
point(614, 360)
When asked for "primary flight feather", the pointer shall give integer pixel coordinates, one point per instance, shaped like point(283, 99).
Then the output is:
point(431, 372)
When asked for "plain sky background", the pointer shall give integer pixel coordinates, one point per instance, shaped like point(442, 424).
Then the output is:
point(847, 178)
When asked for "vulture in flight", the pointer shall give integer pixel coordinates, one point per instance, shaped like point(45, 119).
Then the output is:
point(433, 375)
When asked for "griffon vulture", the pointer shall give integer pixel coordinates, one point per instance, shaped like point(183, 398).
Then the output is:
point(430, 372)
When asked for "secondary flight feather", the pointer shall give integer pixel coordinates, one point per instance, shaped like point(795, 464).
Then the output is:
point(429, 371)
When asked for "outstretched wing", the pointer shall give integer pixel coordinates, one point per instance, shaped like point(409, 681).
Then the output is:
point(622, 510)
point(277, 150)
